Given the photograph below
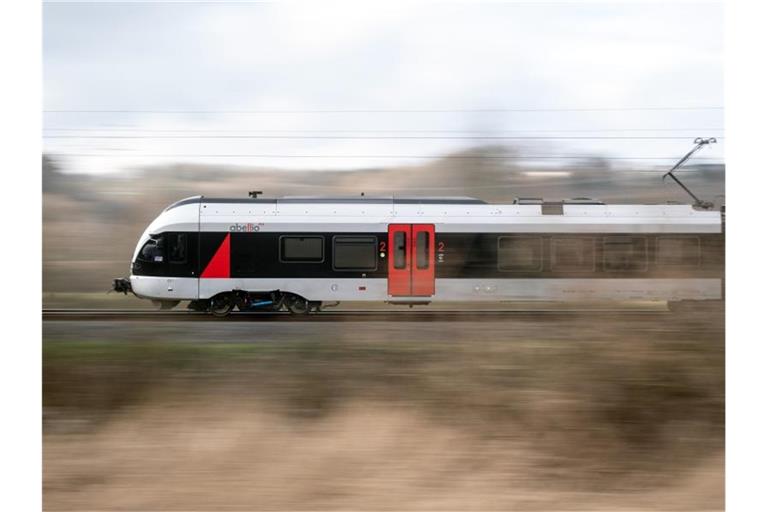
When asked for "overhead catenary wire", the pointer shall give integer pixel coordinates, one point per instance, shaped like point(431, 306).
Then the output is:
point(367, 137)
point(383, 130)
point(437, 157)
point(382, 111)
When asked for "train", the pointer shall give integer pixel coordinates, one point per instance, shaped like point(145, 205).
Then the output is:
point(302, 254)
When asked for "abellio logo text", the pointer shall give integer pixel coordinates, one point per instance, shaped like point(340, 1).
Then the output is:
point(244, 228)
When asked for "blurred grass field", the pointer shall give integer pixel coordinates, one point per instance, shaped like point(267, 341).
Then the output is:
point(617, 416)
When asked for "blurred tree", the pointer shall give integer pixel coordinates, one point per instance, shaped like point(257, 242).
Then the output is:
point(53, 180)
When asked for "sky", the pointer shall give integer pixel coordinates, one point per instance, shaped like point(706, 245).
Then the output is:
point(323, 85)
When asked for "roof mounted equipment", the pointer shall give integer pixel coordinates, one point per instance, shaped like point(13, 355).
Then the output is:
point(699, 143)
point(528, 200)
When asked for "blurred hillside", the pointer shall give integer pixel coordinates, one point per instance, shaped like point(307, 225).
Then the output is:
point(91, 222)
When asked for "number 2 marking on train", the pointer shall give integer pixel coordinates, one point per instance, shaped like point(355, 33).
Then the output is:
point(440, 246)
point(382, 246)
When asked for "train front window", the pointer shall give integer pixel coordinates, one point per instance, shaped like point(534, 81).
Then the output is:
point(178, 248)
point(153, 250)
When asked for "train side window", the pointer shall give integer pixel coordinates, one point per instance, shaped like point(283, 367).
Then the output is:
point(422, 250)
point(178, 248)
point(520, 253)
point(354, 253)
point(625, 253)
point(399, 249)
point(573, 254)
point(153, 250)
point(301, 249)
point(678, 251)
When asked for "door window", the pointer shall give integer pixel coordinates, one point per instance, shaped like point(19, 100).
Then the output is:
point(422, 250)
point(399, 249)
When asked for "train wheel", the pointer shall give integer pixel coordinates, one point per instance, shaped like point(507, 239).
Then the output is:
point(297, 305)
point(222, 305)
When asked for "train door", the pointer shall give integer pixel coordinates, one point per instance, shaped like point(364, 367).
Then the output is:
point(411, 267)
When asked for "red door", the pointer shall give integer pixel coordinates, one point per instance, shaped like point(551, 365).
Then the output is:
point(411, 260)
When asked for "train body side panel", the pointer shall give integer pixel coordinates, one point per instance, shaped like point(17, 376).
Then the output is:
point(446, 290)
point(482, 252)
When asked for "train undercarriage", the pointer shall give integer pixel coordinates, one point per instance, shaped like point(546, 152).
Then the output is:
point(223, 304)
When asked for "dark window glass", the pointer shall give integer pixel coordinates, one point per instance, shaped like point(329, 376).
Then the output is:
point(153, 250)
point(573, 254)
point(624, 253)
point(422, 249)
point(678, 251)
point(178, 248)
point(520, 253)
point(354, 253)
point(301, 249)
point(399, 249)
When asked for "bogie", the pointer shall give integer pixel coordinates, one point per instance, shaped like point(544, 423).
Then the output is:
point(297, 305)
point(222, 304)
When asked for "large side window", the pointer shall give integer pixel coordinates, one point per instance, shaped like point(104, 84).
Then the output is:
point(177, 248)
point(354, 253)
point(520, 253)
point(153, 250)
point(678, 251)
point(570, 254)
point(298, 249)
point(625, 253)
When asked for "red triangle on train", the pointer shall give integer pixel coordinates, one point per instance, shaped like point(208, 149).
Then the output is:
point(219, 264)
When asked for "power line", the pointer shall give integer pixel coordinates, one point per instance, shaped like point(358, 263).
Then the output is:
point(381, 111)
point(462, 157)
point(378, 134)
point(187, 130)
point(369, 137)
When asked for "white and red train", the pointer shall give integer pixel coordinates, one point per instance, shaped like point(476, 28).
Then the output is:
point(298, 253)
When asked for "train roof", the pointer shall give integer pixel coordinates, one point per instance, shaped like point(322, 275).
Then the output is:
point(459, 214)
point(450, 200)
point(454, 206)
point(391, 200)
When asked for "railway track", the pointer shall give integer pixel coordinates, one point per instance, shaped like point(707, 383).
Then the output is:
point(331, 316)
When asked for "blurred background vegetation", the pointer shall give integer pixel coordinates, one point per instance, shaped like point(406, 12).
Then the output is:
point(575, 412)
